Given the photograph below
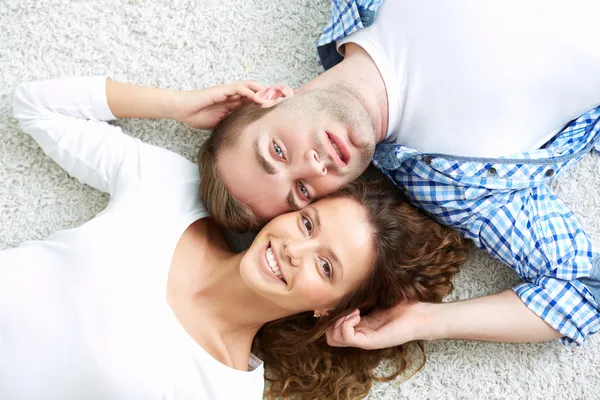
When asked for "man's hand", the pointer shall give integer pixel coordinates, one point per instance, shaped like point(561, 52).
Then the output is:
point(380, 328)
point(501, 317)
point(203, 109)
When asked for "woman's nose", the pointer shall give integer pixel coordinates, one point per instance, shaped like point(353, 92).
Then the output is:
point(298, 250)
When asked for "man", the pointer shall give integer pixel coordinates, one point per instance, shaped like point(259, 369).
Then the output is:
point(475, 107)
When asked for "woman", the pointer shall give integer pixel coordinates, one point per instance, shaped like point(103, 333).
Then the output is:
point(146, 301)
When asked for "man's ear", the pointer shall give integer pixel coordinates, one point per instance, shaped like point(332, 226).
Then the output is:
point(270, 96)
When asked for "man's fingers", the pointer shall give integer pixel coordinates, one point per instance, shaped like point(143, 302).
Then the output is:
point(347, 329)
point(334, 331)
point(330, 335)
point(341, 333)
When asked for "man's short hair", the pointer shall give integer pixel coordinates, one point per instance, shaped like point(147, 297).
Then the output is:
point(223, 208)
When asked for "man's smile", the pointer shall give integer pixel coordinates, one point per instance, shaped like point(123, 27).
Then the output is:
point(338, 150)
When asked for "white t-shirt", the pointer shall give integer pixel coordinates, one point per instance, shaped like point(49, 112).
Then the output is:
point(83, 314)
point(484, 78)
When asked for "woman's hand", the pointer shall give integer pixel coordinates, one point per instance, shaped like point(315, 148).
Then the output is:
point(203, 109)
point(380, 328)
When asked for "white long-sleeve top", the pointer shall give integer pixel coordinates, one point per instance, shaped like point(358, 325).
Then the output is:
point(83, 314)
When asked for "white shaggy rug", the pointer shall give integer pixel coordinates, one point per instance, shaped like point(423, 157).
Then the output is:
point(195, 43)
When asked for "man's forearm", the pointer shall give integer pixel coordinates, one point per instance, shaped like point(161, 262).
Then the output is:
point(130, 101)
point(500, 318)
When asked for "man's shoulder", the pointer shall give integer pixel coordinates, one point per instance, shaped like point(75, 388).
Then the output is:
point(347, 17)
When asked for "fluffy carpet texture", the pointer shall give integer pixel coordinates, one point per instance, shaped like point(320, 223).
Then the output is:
point(189, 44)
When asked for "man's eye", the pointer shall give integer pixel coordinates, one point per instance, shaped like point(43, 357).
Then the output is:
point(326, 267)
point(303, 191)
point(307, 224)
point(277, 150)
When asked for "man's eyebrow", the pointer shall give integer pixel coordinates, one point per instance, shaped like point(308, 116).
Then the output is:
point(332, 254)
point(292, 201)
point(267, 166)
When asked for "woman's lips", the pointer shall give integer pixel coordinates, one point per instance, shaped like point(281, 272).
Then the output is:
point(265, 265)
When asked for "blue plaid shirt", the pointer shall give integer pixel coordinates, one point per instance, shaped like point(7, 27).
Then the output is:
point(503, 205)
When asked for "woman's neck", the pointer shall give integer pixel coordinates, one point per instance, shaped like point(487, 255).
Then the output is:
point(210, 299)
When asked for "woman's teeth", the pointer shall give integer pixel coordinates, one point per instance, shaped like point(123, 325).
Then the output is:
point(273, 264)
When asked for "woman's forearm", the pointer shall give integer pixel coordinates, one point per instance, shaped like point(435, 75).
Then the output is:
point(500, 318)
point(131, 101)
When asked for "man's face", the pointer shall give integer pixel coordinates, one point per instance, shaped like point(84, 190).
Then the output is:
point(302, 150)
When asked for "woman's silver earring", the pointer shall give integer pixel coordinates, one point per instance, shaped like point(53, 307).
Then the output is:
point(317, 314)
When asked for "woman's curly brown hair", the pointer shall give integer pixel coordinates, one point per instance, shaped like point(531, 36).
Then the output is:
point(415, 260)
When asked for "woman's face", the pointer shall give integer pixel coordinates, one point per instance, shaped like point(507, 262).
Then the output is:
point(310, 259)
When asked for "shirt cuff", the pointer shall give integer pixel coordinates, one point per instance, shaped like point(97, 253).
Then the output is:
point(567, 306)
point(99, 100)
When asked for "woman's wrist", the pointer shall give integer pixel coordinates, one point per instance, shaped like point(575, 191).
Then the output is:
point(168, 101)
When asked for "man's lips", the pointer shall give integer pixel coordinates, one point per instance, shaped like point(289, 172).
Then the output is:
point(335, 141)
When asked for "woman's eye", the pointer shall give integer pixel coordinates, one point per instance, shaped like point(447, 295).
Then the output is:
point(277, 150)
point(326, 267)
point(307, 224)
point(303, 191)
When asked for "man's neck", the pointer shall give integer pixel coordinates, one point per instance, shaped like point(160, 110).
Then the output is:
point(359, 71)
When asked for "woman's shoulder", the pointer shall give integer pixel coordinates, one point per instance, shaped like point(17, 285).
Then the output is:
point(158, 165)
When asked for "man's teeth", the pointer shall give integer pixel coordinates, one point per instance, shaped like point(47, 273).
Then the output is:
point(339, 153)
point(273, 264)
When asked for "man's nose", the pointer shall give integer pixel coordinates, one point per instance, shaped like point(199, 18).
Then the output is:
point(299, 250)
point(314, 164)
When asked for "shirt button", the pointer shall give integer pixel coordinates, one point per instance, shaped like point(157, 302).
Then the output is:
point(550, 172)
point(427, 160)
point(366, 17)
point(492, 171)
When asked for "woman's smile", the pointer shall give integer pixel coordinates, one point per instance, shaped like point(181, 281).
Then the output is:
point(270, 265)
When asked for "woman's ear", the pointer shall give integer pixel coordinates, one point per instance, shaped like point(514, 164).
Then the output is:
point(270, 96)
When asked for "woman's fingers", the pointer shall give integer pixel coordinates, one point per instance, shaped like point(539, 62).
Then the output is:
point(254, 86)
point(243, 88)
point(233, 105)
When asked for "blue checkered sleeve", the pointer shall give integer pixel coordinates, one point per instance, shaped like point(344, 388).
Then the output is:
point(506, 207)
point(347, 17)
point(535, 233)
point(543, 241)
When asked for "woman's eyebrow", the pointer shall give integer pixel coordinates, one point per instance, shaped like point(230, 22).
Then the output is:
point(330, 251)
point(317, 216)
point(336, 261)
